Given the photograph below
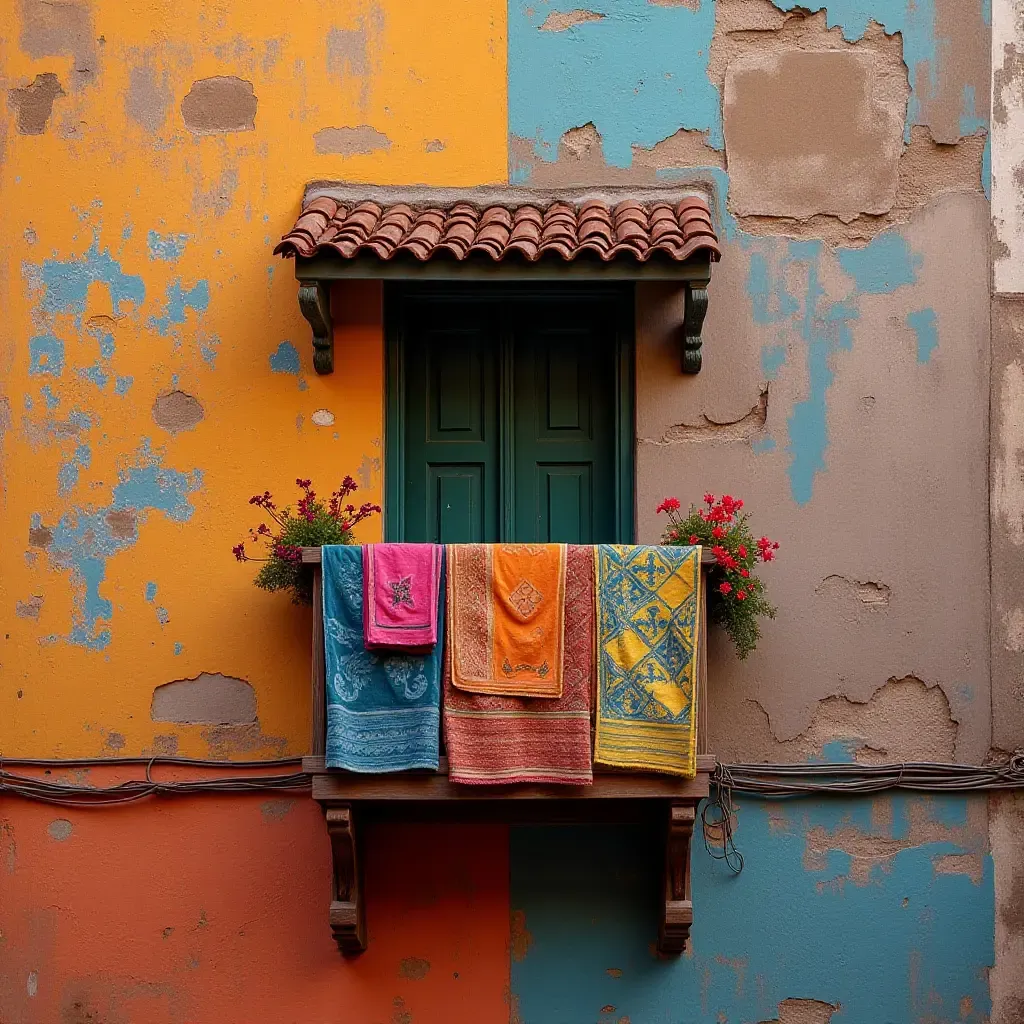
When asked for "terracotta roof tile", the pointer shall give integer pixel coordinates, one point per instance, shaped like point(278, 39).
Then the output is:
point(628, 228)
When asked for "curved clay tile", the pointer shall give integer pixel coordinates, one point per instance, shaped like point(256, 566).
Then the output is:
point(630, 229)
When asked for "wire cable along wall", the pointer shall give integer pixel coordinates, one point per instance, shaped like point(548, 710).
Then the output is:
point(768, 781)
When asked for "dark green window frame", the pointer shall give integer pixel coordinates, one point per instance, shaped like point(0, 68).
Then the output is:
point(395, 294)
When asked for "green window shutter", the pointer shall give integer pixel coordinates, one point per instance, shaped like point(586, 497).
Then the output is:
point(509, 416)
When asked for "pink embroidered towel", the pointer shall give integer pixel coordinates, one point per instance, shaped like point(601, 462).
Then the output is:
point(401, 588)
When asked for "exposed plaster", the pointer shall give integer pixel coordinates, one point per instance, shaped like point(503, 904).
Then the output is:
point(1008, 468)
point(559, 21)
point(60, 829)
point(781, 109)
point(804, 1011)
point(413, 968)
point(148, 98)
point(1006, 980)
point(867, 592)
point(221, 104)
point(1007, 144)
point(743, 429)
point(54, 29)
point(218, 196)
point(29, 609)
point(176, 411)
point(226, 741)
point(580, 159)
point(210, 698)
point(926, 171)
point(874, 848)
point(358, 141)
point(33, 104)
point(870, 732)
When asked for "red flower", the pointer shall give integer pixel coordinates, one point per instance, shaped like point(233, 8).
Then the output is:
point(720, 553)
point(725, 588)
point(694, 538)
point(305, 484)
point(741, 595)
point(764, 542)
point(239, 552)
point(718, 533)
point(744, 573)
point(775, 545)
point(709, 498)
point(767, 554)
point(742, 551)
point(738, 504)
point(669, 505)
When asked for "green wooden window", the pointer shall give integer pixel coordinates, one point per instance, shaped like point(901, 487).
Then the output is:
point(509, 413)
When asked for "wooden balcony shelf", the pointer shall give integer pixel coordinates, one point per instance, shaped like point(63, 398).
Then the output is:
point(350, 799)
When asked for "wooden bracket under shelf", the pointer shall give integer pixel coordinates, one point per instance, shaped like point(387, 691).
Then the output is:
point(348, 918)
point(348, 799)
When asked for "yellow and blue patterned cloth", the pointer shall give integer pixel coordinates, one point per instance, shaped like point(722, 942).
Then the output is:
point(648, 608)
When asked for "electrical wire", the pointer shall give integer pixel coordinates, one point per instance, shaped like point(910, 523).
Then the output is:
point(66, 794)
point(765, 781)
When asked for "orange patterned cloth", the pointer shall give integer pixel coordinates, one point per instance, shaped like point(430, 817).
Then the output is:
point(506, 618)
point(494, 740)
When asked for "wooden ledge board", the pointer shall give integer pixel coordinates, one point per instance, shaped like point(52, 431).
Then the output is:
point(333, 785)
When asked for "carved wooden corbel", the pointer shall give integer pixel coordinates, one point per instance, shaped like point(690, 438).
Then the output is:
point(315, 304)
point(677, 915)
point(695, 309)
point(348, 921)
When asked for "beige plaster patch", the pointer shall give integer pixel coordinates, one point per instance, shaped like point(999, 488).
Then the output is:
point(875, 848)
point(812, 133)
point(358, 141)
point(1006, 979)
point(176, 411)
point(560, 21)
point(804, 1011)
point(218, 105)
point(210, 699)
point(875, 730)
point(33, 104)
point(1008, 471)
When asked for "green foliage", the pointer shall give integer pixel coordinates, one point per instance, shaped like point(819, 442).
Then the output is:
point(736, 596)
point(285, 574)
point(313, 525)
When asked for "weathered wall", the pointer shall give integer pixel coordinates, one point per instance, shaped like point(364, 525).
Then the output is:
point(225, 922)
point(156, 372)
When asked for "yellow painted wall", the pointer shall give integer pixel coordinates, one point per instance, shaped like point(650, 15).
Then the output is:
point(113, 163)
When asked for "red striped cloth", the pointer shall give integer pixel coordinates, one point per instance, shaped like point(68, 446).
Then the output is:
point(540, 740)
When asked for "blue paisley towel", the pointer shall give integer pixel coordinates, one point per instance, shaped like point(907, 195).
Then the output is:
point(383, 709)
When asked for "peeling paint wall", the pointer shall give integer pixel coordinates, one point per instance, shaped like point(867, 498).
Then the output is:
point(155, 372)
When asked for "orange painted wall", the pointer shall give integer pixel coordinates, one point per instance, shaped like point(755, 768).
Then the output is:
point(213, 911)
point(136, 262)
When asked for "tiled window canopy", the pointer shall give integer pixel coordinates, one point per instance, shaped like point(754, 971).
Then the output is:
point(489, 234)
